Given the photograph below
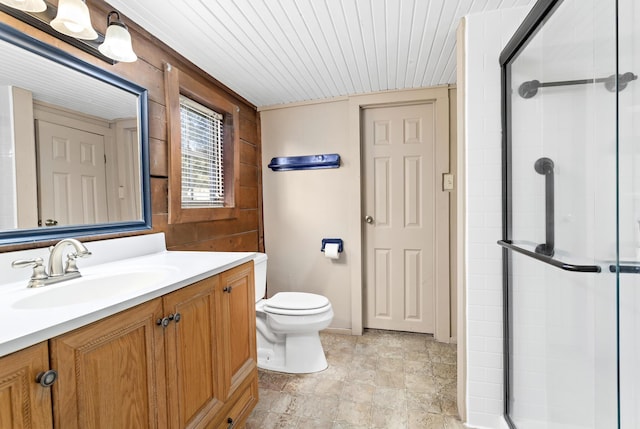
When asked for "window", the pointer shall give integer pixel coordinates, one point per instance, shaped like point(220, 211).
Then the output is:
point(202, 148)
point(204, 155)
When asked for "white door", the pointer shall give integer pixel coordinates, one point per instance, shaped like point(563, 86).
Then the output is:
point(400, 209)
point(72, 175)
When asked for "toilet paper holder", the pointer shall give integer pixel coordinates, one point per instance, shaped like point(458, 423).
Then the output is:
point(337, 241)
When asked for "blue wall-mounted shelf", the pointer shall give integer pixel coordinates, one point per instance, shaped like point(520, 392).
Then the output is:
point(309, 162)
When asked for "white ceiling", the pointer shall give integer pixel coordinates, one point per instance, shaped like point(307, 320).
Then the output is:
point(281, 51)
point(63, 87)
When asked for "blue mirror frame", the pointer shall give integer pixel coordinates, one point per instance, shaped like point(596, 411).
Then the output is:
point(33, 235)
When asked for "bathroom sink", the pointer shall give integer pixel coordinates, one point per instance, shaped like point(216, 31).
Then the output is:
point(92, 287)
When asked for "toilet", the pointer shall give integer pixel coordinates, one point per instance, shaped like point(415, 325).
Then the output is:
point(288, 326)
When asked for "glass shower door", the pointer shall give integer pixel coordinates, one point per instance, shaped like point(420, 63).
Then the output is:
point(560, 82)
point(629, 215)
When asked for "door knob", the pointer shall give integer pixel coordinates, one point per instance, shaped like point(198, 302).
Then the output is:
point(368, 219)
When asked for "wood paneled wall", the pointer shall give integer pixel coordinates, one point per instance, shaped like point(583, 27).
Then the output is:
point(244, 233)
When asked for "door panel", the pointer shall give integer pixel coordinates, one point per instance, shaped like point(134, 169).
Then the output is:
point(72, 178)
point(400, 195)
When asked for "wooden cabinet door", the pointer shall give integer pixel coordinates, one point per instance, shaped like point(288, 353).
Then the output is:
point(192, 355)
point(25, 404)
point(111, 373)
point(238, 325)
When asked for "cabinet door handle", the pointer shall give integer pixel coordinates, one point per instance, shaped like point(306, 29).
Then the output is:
point(177, 317)
point(164, 322)
point(47, 378)
point(230, 422)
point(227, 289)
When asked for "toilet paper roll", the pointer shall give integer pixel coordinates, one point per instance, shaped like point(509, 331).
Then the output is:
point(331, 251)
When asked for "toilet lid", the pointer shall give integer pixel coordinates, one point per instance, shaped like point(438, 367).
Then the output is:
point(296, 301)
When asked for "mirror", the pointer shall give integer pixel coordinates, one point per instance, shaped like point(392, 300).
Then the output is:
point(73, 145)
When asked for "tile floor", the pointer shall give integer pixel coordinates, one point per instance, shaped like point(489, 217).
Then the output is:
point(381, 379)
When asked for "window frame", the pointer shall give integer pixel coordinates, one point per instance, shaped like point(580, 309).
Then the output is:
point(178, 83)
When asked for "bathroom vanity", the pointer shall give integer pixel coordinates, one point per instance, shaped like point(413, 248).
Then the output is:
point(178, 352)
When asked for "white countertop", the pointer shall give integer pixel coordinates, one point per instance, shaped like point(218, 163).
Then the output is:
point(22, 327)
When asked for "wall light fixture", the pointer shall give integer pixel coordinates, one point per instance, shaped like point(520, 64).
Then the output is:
point(117, 40)
point(71, 22)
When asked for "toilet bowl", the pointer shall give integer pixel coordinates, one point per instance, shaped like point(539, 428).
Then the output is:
point(288, 326)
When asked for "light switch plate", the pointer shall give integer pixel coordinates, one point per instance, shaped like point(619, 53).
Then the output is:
point(447, 182)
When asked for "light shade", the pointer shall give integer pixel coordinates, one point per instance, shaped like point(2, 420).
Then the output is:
point(117, 41)
point(26, 5)
point(73, 20)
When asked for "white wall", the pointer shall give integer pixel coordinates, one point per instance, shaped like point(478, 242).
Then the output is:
point(486, 35)
point(8, 209)
point(25, 152)
point(303, 207)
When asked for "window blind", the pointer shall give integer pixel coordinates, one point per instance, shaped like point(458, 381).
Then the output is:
point(202, 157)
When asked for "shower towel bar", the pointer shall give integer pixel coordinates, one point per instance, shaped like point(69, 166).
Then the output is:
point(626, 269)
point(549, 260)
point(530, 88)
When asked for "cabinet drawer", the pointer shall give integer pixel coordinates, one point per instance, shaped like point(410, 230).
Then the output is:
point(244, 400)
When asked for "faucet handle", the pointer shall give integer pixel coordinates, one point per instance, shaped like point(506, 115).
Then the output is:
point(21, 263)
point(71, 266)
point(39, 274)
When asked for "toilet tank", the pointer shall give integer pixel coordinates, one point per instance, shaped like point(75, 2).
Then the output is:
point(260, 275)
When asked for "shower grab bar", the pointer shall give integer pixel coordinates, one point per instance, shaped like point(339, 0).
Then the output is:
point(544, 166)
point(530, 88)
point(549, 260)
point(626, 269)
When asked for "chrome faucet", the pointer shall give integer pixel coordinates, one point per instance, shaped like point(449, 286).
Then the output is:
point(56, 272)
point(56, 268)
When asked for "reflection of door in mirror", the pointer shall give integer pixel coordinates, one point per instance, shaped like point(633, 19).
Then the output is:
point(72, 171)
point(87, 167)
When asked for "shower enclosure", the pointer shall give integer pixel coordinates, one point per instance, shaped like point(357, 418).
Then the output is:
point(571, 216)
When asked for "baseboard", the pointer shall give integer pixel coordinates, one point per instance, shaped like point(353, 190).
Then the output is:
point(341, 331)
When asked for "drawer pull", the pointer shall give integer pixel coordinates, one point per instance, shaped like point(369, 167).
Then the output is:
point(230, 422)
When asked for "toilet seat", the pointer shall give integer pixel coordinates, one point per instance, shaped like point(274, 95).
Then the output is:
point(296, 304)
